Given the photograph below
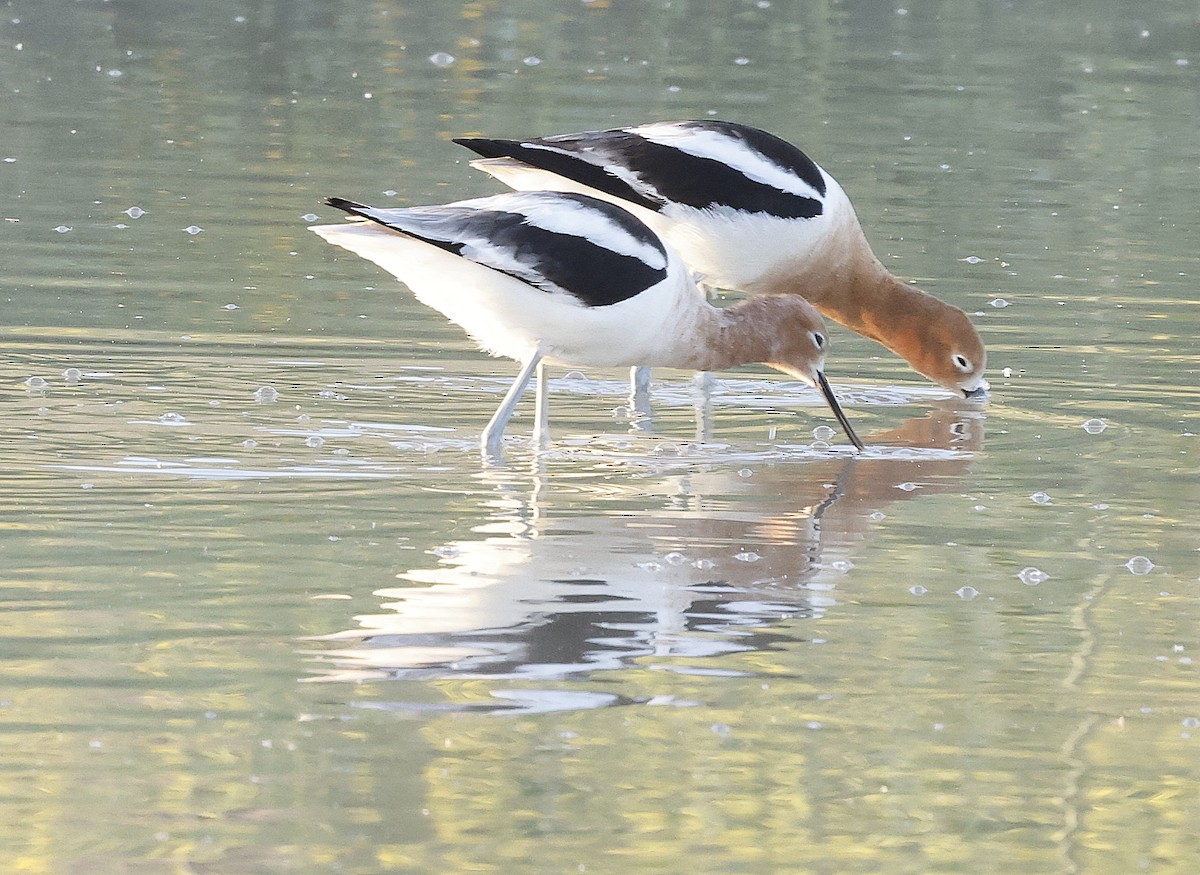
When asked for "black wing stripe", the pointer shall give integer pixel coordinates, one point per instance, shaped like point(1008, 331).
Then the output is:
point(562, 164)
point(707, 182)
point(771, 147)
point(549, 260)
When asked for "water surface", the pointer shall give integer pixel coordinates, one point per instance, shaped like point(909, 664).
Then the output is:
point(268, 612)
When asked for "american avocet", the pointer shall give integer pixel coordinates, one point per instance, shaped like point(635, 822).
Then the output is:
point(751, 212)
point(568, 279)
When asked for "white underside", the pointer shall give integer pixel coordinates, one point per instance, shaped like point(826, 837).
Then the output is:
point(731, 249)
point(511, 318)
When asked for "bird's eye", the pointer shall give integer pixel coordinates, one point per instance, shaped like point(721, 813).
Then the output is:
point(962, 362)
point(819, 340)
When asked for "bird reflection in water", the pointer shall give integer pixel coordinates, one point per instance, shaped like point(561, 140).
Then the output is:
point(713, 569)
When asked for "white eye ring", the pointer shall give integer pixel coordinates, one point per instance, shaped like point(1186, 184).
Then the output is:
point(962, 363)
point(818, 339)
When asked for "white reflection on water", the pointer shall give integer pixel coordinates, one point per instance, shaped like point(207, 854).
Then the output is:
point(666, 583)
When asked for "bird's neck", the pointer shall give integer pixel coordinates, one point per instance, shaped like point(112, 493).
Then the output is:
point(741, 334)
point(849, 285)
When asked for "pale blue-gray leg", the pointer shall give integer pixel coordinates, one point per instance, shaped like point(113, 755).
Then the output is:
point(492, 439)
point(639, 398)
point(541, 410)
point(703, 382)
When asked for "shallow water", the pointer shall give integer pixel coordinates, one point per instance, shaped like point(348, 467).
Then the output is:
point(269, 612)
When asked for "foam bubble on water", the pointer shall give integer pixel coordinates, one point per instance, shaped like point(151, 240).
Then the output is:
point(531, 61)
point(231, 307)
point(675, 558)
point(999, 303)
point(135, 212)
point(972, 259)
point(36, 383)
point(741, 62)
point(441, 59)
point(193, 230)
point(249, 443)
point(877, 515)
point(72, 375)
point(266, 394)
point(1032, 576)
point(746, 556)
point(314, 440)
point(310, 217)
point(907, 486)
point(62, 229)
point(1094, 426)
point(173, 419)
point(918, 590)
point(966, 593)
point(447, 551)
point(823, 433)
point(1191, 722)
point(1041, 498)
point(842, 565)
point(704, 564)
point(650, 565)
point(1140, 565)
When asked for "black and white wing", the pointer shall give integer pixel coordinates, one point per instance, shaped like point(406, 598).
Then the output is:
point(698, 164)
point(566, 244)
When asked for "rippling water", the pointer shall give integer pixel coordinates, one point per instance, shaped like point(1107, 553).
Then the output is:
point(270, 612)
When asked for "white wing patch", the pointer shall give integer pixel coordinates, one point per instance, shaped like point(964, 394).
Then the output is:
point(728, 150)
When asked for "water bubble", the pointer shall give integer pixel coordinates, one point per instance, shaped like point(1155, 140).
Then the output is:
point(266, 394)
point(741, 62)
point(391, 192)
point(918, 590)
point(310, 217)
point(1191, 723)
point(999, 303)
point(1094, 426)
point(72, 375)
point(441, 59)
point(973, 259)
point(1140, 565)
point(649, 566)
point(36, 383)
point(704, 564)
point(747, 556)
point(447, 551)
point(193, 230)
point(135, 212)
point(907, 486)
point(173, 419)
point(841, 565)
point(675, 558)
point(249, 443)
point(231, 307)
point(1041, 498)
point(877, 515)
point(967, 592)
point(116, 74)
point(1007, 372)
point(531, 61)
point(62, 229)
point(1032, 576)
point(823, 433)
point(314, 440)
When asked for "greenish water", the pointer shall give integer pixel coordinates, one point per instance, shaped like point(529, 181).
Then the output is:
point(267, 611)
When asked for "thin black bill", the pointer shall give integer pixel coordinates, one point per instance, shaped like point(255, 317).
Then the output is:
point(837, 411)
